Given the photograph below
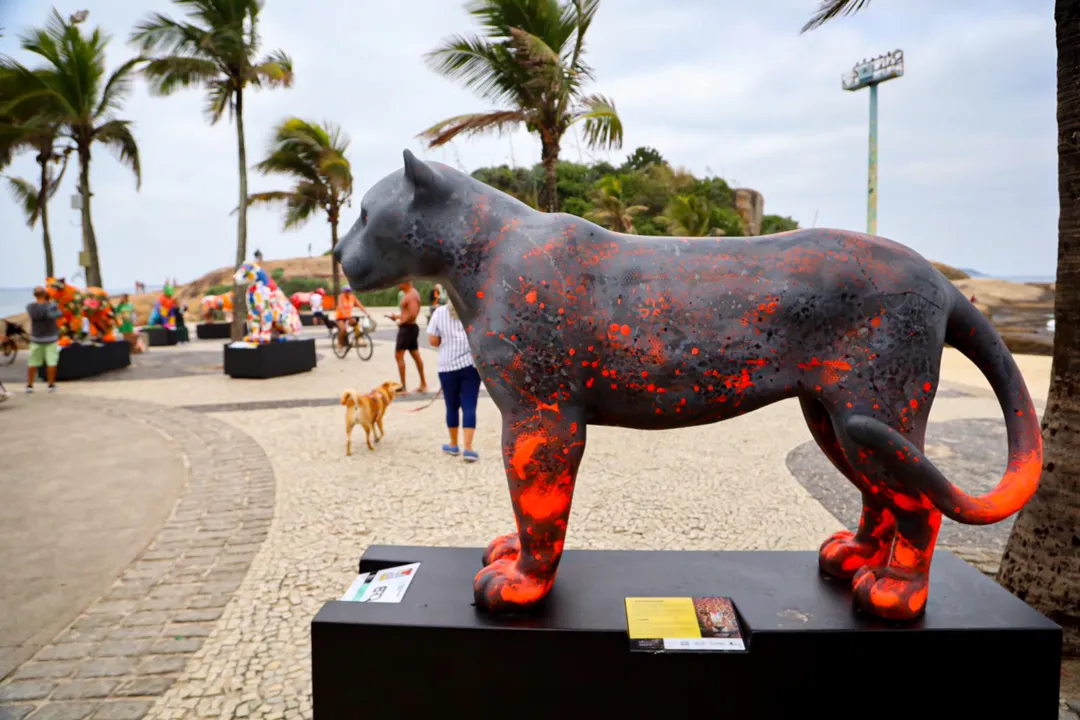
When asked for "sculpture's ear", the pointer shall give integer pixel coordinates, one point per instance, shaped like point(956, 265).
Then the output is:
point(424, 178)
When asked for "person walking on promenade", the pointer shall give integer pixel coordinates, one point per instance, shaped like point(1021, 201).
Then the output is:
point(44, 336)
point(458, 376)
point(408, 337)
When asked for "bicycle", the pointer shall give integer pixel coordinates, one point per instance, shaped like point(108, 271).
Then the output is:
point(8, 344)
point(360, 338)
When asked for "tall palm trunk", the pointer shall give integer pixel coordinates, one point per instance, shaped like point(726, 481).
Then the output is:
point(239, 296)
point(1041, 564)
point(93, 269)
point(336, 287)
point(549, 156)
point(44, 156)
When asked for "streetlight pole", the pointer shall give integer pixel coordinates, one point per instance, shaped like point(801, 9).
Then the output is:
point(871, 73)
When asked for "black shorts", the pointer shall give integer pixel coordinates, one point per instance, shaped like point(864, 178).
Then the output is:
point(408, 337)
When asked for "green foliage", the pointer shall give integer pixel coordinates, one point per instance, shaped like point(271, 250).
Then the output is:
point(277, 274)
point(219, 289)
point(643, 196)
point(302, 284)
point(777, 224)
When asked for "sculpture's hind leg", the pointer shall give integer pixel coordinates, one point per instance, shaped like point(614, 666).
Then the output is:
point(897, 586)
point(845, 552)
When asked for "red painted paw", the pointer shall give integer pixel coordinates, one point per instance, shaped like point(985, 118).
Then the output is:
point(889, 593)
point(501, 587)
point(503, 547)
point(842, 555)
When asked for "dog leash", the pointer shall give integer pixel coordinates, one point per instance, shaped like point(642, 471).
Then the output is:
point(425, 407)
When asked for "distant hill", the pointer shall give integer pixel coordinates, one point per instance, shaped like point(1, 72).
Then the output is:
point(974, 273)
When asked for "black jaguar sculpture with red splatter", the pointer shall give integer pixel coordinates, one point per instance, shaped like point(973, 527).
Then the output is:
point(573, 325)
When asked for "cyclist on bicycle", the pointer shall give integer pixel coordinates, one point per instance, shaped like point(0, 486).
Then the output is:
point(343, 313)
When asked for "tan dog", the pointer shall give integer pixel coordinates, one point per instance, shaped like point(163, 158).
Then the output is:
point(368, 411)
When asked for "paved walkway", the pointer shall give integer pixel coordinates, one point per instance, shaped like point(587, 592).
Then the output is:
point(750, 483)
point(115, 655)
point(69, 528)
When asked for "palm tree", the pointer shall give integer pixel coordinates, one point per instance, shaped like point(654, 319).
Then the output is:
point(695, 216)
point(218, 50)
point(40, 134)
point(1041, 564)
point(72, 93)
point(611, 209)
point(531, 63)
point(314, 155)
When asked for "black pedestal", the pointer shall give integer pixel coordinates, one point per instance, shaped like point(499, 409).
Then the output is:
point(215, 330)
point(81, 361)
point(161, 336)
point(979, 652)
point(272, 359)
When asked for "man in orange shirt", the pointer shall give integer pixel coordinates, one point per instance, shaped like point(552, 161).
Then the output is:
point(343, 312)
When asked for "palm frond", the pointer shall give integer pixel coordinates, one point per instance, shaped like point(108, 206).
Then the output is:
point(219, 98)
point(26, 195)
point(118, 86)
point(275, 70)
point(603, 128)
point(266, 198)
point(116, 134)
point(486, 68)
point(830, 9)
point(167, 74)
point(159, 32)
point(472, 124)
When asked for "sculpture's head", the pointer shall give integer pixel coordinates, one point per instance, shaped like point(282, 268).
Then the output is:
point(248, 273)
point(407, 225)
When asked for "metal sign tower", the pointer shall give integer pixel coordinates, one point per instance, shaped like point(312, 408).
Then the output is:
point(871, 73)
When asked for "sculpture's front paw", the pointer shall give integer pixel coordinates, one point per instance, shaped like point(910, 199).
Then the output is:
point(503, 547)
point(889, 593)
point(841, 555)
point(501, 588)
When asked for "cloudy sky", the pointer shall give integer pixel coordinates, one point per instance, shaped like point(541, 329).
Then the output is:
point(967, 175)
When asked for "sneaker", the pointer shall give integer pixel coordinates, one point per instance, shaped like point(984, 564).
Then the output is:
point(29, 389)
point(451, 450)
point(52, 388)
point(471, 456)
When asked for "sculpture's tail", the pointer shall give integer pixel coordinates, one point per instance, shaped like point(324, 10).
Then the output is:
point(973, 335)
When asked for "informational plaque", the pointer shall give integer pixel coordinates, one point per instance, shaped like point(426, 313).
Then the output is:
point(385, 586)
point(683, 624)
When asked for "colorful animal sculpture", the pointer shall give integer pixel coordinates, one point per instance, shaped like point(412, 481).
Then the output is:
point(573, 325)
point(70, 301)
point(215, 306)
point(304, 298)
point(162, 314)
point(269, 312)
point(100, 312)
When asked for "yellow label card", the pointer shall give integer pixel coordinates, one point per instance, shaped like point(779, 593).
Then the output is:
point(659, 617)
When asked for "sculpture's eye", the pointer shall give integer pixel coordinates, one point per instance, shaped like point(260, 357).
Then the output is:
point(363, 216)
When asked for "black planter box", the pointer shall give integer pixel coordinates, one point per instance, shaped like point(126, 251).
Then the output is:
point(272, 359)
point(215, 330)
point(161, 336)
point(979, 652)
point(82, 361)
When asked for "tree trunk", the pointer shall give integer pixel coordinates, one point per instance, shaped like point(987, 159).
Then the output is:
point(336, 286)
point(1041, 564)
point(239, 291)
point(43, 209)
point(549, 156)
point(93, 270)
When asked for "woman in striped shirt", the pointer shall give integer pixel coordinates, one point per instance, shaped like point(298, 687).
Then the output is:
point(458, 376)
